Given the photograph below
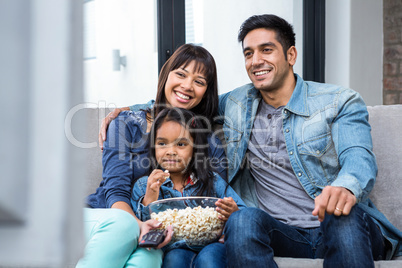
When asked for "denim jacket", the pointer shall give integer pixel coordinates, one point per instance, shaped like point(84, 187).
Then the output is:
point(220, 189)
point(328, 140)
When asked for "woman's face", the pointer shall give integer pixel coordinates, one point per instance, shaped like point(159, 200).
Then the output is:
point(185, 88)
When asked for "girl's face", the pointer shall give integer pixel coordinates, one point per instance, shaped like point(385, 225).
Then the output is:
point(185, 88)
point(173, 147)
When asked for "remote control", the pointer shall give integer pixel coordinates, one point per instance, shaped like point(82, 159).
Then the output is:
point(153, 238)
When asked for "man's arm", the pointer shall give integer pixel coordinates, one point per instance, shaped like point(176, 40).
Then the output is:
point(113, 114)
point(358, 168)
point(106, 121)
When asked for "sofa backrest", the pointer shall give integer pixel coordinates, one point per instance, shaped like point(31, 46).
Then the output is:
point(88, 143)
point(386, 123)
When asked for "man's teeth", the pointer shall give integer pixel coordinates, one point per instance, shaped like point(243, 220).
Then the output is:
point(261, 72)
point(182, 96)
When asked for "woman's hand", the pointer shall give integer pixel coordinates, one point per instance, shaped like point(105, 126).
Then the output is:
point(226, 207)
point(155, 180)
point(148, 225)
point(105, 123)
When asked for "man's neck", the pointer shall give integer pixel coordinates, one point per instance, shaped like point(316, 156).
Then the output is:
point(282, 95)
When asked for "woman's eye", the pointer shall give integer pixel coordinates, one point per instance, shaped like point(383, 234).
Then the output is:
point(201, 83)
point(180, 74)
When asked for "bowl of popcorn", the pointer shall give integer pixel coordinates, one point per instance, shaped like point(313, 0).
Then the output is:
point(194, 219)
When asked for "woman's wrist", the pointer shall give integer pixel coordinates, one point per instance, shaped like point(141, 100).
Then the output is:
point(124, 206)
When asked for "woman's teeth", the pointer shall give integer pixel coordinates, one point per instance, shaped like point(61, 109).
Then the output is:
point(185, 97)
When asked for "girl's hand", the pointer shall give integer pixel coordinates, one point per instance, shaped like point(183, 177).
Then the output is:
point(155, 180)
point(226, 207)
point(148, 225)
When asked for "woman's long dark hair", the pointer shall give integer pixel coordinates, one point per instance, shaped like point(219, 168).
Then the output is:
point(200, 164)
point(205, 64)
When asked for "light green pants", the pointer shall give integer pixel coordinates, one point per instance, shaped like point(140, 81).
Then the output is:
point(112, 236)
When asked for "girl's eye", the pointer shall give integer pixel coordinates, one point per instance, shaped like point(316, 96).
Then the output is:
point(181, 144)
point(160, 143)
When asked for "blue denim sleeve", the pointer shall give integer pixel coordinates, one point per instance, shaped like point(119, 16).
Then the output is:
point(353, 143)
point(144, 106)
point(217, 155)
point(124, 137)
point(221, 107)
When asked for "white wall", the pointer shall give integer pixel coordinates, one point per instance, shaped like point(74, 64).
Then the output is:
point(130, 25)
point(354, 46)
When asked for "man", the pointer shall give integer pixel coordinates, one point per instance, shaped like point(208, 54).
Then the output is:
point(309, 161)
point(300, 155)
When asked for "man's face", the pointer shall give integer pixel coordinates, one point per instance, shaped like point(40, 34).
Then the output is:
point(265, 61)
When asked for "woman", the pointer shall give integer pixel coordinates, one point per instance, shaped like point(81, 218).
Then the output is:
point(187, 80)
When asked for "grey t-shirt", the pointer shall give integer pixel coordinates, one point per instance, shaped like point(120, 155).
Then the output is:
point(279, 192)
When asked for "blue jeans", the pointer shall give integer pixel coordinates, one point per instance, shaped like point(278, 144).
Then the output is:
point(211, 256)
point(253, 238)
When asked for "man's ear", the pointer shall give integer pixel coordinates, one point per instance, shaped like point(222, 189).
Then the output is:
point(292, 55)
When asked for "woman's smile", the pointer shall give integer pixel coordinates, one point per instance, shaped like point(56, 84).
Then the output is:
point(182, 97)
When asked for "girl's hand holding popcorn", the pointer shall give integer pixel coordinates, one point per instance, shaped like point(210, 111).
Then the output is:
point(155, 180)
point(226, 207)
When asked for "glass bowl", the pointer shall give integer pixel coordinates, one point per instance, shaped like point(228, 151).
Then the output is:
point(194, 219)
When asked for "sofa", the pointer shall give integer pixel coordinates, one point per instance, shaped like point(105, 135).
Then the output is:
point(386, 123)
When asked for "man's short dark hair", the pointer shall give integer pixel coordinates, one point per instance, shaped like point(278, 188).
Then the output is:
point(283, 29)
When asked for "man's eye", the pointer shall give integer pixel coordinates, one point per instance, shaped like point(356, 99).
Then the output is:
point(267, 49)
point(247, 54)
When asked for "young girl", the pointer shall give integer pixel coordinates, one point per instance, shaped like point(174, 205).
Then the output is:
point(179, 145)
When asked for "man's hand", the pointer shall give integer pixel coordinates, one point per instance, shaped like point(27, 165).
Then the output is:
point(226, 207)
point(333, 200)
point(148, 225)
point(105, 123)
